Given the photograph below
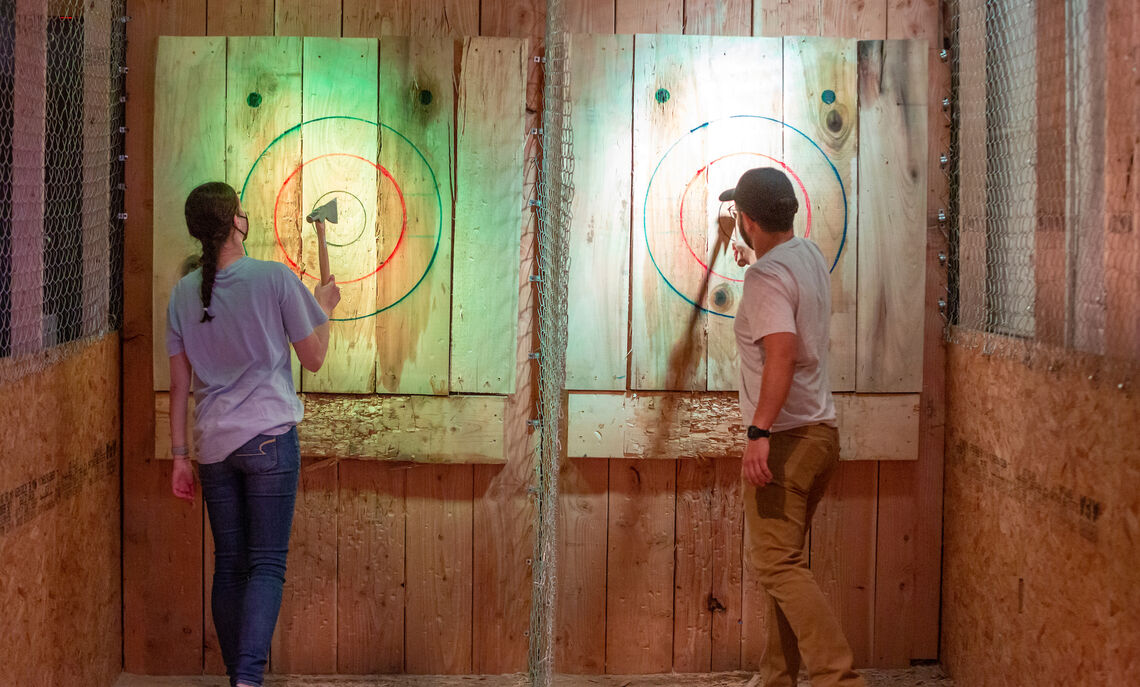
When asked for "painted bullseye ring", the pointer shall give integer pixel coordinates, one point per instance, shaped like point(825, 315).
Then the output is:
point(318, 203)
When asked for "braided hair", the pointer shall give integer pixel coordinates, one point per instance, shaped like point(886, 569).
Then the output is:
point(210, 210)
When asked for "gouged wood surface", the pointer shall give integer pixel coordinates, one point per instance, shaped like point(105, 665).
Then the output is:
point(488, 215)
point(340, 81)
point(583, 501)
point(413, 331)
point(693, 607)
point(189, 149)
point(423, 429)
point(598, 282)
point(892, 214)
point(271, 68)
point(871, 426)
point(813, 67)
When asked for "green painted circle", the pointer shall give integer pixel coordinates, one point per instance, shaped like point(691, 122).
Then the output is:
point(662, 95)
point(253, 99)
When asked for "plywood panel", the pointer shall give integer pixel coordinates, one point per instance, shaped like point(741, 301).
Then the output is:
point(370, 568)
point(783, 18)
point(438, 614)
point(96, 166)
point(488, 225)
point(691, 143)
point(340, 162)
point(892, 214)
point(307, 17)
point(649, 16)
point(821, 102)
point(189, 149)
point(843, 553)
point(598, 282)
point(305, 640)
point(580, 624)
point(428, 429)
point(263, 102)
point(878, 426)
point(639, 585)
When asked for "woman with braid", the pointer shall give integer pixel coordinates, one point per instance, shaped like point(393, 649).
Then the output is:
point(230, 325)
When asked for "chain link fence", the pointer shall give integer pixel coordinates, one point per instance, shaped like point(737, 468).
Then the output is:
point(62, 67)
point(1044, 255)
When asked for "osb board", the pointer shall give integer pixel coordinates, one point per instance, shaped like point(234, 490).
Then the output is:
point(871, 426)
point(1042, 516)
point(60, 538)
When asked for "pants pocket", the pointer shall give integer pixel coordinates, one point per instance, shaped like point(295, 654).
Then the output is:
point(259, 454)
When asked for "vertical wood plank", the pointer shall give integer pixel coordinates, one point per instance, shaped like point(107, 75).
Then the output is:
point(189, 149)
point(843, 19)
point(29, 109)
point(307, 18)
point(843, 552)
point(583, 503)
point(639, 584)
point(598, 312)
point(438, 614)
point(753, 607)
point(892, 213)
point(695, 562)
point(589, 16)
point(340, 81)
point(162, 574)
point(370, 568)
point(821, 100)
point(454, 18)
point(488, 215)
point(728, 538)
point(413, 288)
point(718, 17)
point(305, 640)
point(246, 18)
point(652, 16)
point(96, 206)
point(783, 18)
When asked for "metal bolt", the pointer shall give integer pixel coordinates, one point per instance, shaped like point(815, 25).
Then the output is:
point(124, 70)
point(122, 215)
point(941, 304)
point(943, 54)
point(943, 159)
point(941, 215)
point(945, 103)
point(942, 259)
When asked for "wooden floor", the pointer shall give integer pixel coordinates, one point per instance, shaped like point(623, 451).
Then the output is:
point(924, 676)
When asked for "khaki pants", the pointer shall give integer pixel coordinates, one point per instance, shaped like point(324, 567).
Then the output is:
point(801, 623)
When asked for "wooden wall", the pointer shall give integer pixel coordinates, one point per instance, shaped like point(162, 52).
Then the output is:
point(59, 520)
point(1042, 519)
point(425, 569)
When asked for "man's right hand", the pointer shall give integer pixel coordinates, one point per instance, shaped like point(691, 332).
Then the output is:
point(327, 295)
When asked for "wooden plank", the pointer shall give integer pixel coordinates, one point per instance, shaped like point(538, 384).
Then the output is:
point(670, 280)
point(892, 212)
point(97, 117)
point(783, 18)
point(600, 115)
point(693, 609)
point(162, 441)
point(27, 194)
point(821, 102)
point(247, 18)
point(726, 598)
point(843, 553)
point(881, 427)
point(513, 18)
point(427, 429)
point(413, 294)
point(263, 101)
point(212, 661)
point(638, 16)
point(340, 157)
point(754, 606)
point(639, 584)
point(438, 614)
point(162, 574)
point(454, 18)
point(718, 17)
point(189, 149)
point(370, 568)
point(307, 18)
point(305, 640)
point(972, 212)
point(588, 16)
point(842, 19)
point(580, 629)
point(488, 212)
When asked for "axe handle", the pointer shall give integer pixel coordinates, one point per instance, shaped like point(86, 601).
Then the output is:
point(323, 252)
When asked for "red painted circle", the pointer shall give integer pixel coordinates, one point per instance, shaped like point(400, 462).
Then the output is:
point(403, 210)
point(704, 170)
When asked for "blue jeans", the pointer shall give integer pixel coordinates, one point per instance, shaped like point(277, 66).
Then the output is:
point(250, 497)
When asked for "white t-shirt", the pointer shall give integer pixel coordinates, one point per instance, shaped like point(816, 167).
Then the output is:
point(788, 290)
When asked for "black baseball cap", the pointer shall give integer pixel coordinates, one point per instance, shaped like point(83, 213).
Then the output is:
point(766, 195)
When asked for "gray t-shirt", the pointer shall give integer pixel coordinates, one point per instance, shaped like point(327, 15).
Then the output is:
point(787, 290)
point(242, 375)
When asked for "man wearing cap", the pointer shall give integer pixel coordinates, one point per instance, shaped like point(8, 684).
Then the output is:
point(782, 333)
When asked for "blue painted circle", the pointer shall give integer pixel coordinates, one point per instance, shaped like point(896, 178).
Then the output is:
point(434, 183)
point(828, 96)
point(706, 125)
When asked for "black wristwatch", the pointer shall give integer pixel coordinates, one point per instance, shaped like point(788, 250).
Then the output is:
point(755, 432)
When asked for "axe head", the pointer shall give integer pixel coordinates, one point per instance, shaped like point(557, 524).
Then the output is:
point(326, 212)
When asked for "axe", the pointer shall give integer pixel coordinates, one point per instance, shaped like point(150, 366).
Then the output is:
point(325, 213)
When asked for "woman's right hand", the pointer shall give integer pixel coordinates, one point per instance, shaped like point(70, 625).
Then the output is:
point(327, 295)
point(182, 479)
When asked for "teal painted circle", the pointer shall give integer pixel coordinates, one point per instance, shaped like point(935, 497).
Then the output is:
point(662, 96)
point(828, 96)
point(434, 183)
